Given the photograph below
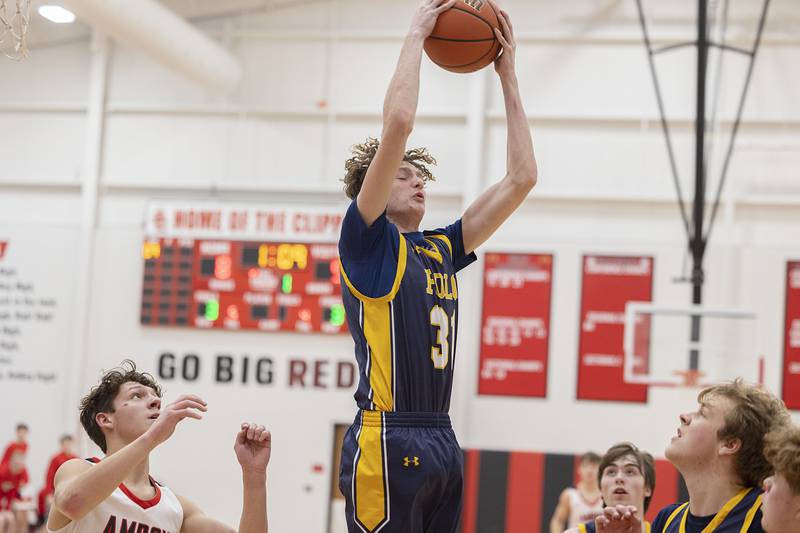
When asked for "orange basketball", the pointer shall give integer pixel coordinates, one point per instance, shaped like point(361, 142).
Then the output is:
point(463, 39)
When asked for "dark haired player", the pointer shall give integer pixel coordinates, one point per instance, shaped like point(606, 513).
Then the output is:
point(123, 416)
point(401, 468)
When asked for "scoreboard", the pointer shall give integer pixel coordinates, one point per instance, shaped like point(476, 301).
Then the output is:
point(248, 285)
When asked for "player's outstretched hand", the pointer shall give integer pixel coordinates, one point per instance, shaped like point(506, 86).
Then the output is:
point(618, 519)
point(425, 17)
point(505, 64)
point(253, 447)
point(185, 406)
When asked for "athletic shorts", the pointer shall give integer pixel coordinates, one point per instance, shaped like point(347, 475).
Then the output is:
point(401, 472)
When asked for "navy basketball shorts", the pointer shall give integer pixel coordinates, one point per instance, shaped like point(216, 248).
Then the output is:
point(401, 472)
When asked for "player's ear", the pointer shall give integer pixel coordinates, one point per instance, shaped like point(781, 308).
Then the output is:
point(648, 492)
point(104, 420)
point(730, 446)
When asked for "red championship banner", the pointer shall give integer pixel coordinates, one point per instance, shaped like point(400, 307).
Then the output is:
point(791, 340)
point(609, 282)
point(3, 246)
point(515, 324)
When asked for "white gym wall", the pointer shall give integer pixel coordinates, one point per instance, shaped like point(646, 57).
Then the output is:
point(77, 171)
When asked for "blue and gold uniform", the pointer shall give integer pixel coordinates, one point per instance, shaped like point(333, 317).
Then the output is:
point(589, 527)
point(741, 514)
point(401, 467)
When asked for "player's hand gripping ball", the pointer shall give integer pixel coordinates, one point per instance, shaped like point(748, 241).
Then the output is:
point(463, 39)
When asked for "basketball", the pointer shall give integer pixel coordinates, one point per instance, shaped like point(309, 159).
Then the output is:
point(463, 39)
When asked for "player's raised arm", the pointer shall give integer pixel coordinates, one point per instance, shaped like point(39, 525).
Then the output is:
point(253, 449)
point(496, 204)
point(399, 112)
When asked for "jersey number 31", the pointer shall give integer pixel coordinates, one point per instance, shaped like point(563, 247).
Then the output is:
point(440, 352)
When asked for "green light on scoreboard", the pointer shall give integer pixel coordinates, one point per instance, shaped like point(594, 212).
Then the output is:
point(337, 314)
point(212, 310)
point(286, 283)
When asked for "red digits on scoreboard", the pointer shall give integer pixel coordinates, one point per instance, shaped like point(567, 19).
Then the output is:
point(222, 267)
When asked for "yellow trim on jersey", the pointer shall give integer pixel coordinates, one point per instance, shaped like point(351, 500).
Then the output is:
point(370, 498)
point(398, 276)
point(378, 332)
point(721, 515)
point(647, 527)
point(751, 514)
point(445, 240)
point(434, 254)
point(673, 515)
point(581, 528)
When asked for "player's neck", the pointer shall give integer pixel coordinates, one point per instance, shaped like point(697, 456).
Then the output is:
point(709, 490)
point(405, 224)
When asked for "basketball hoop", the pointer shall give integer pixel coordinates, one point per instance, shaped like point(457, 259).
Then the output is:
point(14, 21)
point(658, 348)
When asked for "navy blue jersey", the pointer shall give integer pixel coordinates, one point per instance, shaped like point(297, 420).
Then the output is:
point(401, 300)
point(741, 514)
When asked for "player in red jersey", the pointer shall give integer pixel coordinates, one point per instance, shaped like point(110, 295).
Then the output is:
point(13, 476)
point(20, 443)
point(45, 498)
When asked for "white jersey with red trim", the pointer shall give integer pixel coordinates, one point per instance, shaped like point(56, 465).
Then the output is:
point(582, 510)
point(123, 512)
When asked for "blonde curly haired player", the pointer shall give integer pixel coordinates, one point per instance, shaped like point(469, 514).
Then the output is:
point(401, 465)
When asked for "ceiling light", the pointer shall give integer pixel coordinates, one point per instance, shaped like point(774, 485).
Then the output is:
point(57, 14)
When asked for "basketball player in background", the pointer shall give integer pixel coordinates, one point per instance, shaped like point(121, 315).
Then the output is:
point(582, 503)
point(402, 467)
point(123, 416)
point(45, 499)
point(627, 476)
point(13, 476)
point(719, 451)
point(19, 444)
point(781, 499)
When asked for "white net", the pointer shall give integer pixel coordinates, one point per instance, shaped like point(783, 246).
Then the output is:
point(14, 21)
point(659, 349)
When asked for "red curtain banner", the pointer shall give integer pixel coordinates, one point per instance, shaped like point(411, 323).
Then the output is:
point(515, 325)
point(791, 340)
point(609, 282)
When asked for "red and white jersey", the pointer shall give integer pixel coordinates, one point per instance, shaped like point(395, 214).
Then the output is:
point(123, 512)
point(582, 510)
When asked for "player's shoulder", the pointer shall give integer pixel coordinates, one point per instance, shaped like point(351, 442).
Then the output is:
point(71, 468)
point(448, 236)
point(569, 492)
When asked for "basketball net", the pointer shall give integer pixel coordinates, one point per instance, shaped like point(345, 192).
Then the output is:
point(14, 21)
point(691, 378)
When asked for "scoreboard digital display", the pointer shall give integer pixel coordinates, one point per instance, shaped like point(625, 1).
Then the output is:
point(248, 285)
